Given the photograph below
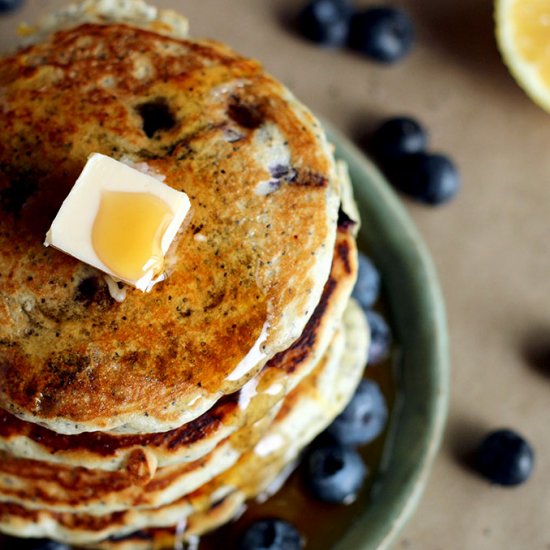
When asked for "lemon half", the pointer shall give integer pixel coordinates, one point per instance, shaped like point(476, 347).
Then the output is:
point(523, 35)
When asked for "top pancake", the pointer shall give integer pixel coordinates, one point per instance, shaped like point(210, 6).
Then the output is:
point(191, 441)
point(244, 275)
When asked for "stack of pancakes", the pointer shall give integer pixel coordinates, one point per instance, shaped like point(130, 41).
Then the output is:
point(128, 419)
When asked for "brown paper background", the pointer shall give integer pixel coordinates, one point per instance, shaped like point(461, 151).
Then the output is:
point(491, 245)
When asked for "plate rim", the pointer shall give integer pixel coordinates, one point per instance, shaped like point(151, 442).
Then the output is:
point(430, 295)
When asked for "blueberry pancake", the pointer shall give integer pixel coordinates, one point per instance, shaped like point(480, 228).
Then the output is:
point(305, 412)
point(245, 273)
point(151, 474)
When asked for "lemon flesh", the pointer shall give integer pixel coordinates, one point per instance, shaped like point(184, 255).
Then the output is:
point(523, 35)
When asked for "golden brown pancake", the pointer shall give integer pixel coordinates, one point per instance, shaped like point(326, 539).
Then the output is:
point(246, 272)
point(60, 486)
point(192, 441)
point(78, 528)
point(41, 485)
point(305, 412)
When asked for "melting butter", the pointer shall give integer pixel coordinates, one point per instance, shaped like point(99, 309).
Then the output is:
point(127, 233)
point(120, 221)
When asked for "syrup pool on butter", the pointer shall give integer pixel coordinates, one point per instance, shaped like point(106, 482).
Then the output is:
point(119, 220)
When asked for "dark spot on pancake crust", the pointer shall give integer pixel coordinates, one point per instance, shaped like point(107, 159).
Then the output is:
point(17, 193)
point(343, 252)
point(93, 291)
point(197, 429)
point(87, 290)
point(132, 358)
point(5, 343)
point(67, 367)
point(244, 114)
point(197, 228)
point(156, 116)
point(290, 359)
point(214, 300)
point(307, 178)
point(31, 389)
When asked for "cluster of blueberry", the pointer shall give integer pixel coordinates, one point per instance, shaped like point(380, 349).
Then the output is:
point(399, 146)
point(334, 471)
point(383, 34)
point(366, 292)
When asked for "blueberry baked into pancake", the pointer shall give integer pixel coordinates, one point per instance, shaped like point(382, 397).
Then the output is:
point(162, 411)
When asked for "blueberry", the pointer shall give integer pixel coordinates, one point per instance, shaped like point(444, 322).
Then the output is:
point(505, 458)
point(9, 5)
point(334, 473)
point(367, 287)
point(397, 136)
point(271, 534)
point(364, 418)
point(325, 21)
point(383, 34)
point(429, 178)
point(380, 338)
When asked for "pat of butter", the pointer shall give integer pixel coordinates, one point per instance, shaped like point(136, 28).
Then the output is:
point(119, 220)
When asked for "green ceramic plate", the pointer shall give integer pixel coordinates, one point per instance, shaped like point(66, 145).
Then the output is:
point(418, 319)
